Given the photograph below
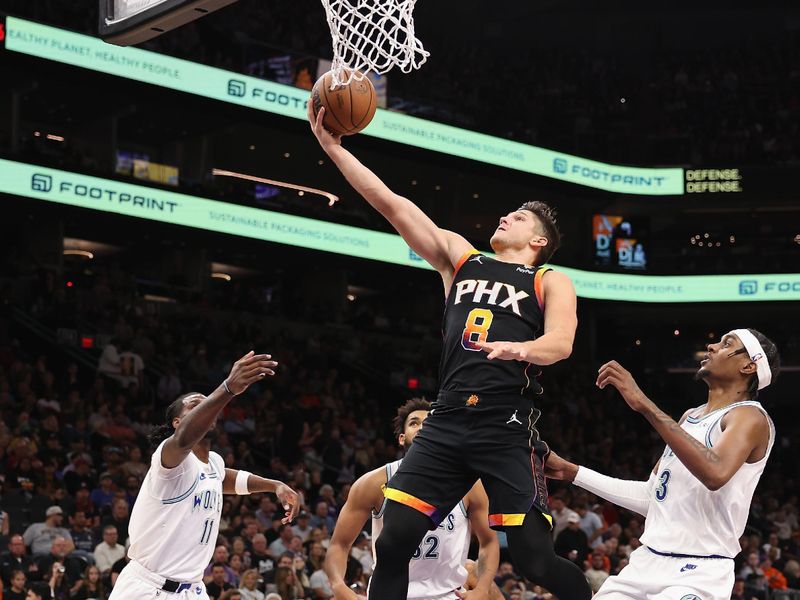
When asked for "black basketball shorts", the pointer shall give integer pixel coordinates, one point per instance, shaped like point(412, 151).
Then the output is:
point(467, 437)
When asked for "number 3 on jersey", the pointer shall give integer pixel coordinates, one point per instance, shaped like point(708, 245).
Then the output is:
point(661, 490)
point(476, 329)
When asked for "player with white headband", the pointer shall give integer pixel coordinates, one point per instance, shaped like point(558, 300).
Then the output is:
point(697, 499)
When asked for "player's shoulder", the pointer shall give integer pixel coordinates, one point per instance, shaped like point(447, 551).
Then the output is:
point(553, 278)
point(748, 414)
point(217, 462)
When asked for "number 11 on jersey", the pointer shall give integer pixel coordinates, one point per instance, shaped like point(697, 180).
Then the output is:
point(476, 329)
point(208, 527)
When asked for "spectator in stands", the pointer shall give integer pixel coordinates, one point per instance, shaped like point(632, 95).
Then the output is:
point(116, 569)
point(591, 524)
point(572, 543)
point(82, 537)
point(248, 586)
point(740, 592)
point(39, 591)
point(57, 582)
point(5, 523)
point(281, 545)
point(320, 584)
point(751, 567)
point(120, 518)
point(133, 485)
point(266, 511)
point(109, 363)
point(135, 465)
point(79, 475)
point(560, 512)
point(792, 572)
point(59, 551)
point(290, 588)
point(303, 527)
point(362, 552)
point(220, 557)
point(322, 517)
point(104, 495)
point(596, 573)
point(90, 586)
point(261, 559)
point(299, 566)
point(217, 585)
point(236, 565)
point(15, 559)
point(107, 552)
point(39, 536)
point(16, 591)
point(775, 579)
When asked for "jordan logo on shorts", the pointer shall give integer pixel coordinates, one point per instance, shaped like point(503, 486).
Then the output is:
point(513, 419)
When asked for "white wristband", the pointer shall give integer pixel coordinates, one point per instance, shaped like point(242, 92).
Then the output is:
point(241, 483)
point(633, 495)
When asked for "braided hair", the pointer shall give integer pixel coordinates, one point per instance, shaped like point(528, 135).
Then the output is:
point(162, 432)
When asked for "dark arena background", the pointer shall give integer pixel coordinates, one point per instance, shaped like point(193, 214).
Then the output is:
point(165, 209)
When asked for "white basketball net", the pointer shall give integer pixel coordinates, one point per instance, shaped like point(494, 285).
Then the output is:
point(372, 35)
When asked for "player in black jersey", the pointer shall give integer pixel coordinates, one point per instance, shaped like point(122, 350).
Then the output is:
point(502, 316)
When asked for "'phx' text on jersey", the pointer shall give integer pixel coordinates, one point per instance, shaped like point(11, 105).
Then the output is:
point(490, 301)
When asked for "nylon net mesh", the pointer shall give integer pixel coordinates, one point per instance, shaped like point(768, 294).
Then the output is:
point(372, 35)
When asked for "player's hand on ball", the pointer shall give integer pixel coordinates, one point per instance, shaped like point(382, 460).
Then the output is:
point(504, 350)
point(325, 138)
point(612, 373)
point(247, 370)
point(290, 502)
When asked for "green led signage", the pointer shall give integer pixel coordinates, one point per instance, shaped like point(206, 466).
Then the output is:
point(140, 65)
point(132, 200)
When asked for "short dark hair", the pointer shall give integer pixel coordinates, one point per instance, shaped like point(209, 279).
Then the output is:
point(547, 217)
point(40, 589)
point(218, 564)
point(162, 432)
point(773, 359)
point(412, 405)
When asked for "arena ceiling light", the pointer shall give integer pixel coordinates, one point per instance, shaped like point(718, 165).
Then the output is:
point(332, 198)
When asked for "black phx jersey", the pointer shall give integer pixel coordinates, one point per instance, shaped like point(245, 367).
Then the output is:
point(490, 301)
point(483, 423)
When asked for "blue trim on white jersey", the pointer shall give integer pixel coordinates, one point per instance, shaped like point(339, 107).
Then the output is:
point(674, 555)
point(183, 496)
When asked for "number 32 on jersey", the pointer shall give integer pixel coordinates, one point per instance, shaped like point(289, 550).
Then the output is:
point(476, 329)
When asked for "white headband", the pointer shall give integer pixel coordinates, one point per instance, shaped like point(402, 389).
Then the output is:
point(756, 354)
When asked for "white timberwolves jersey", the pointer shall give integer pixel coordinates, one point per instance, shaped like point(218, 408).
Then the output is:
point(684, 516)
point(437, 566)
point(175, 520)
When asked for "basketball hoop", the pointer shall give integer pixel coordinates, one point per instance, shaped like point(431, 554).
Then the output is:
point(372, 35)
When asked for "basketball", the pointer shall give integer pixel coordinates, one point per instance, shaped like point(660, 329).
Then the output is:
point(348, 108)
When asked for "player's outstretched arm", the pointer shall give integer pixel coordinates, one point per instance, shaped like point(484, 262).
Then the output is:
point(441, 248)
point(481, 578)
point(364, 497)
point(560, 324)
point(633, 495)
point(255, 484)
point(745, 432)
point(193, 427)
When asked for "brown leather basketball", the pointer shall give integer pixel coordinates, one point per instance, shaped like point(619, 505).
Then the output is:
point(348, 108)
